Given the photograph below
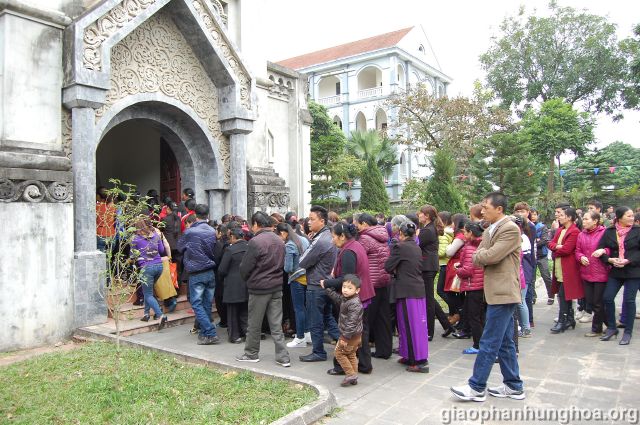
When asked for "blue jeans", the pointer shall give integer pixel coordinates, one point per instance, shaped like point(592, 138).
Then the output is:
point(523, 311)
point(319, 312)
point(201, 287)
point(298, 291)
point(149, 275)
point(631, 287)
point(497, 341)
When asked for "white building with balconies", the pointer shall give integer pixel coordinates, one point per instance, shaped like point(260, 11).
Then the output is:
point(353, 80)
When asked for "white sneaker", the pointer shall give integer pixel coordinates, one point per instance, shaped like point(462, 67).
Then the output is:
point(555, 320)
point(284, 363)
point(466, 393)
point(587, 318)
point(297, 343)
point(307, 337)
point(504, 391)
point(580, 314)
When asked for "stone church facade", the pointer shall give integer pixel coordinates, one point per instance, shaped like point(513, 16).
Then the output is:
point(134, 89)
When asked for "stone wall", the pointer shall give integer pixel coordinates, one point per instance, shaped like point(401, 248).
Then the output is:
point(36, 282)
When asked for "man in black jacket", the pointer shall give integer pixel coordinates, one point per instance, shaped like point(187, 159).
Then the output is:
point(262, 268)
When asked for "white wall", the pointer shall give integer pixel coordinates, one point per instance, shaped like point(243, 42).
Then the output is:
point(130, 152)
point(31, 83)
point(36, 254)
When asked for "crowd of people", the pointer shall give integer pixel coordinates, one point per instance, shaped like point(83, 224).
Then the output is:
point(356, 282)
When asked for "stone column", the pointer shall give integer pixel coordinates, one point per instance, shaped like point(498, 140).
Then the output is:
point(238, 174)
point(237, 130)
point(90, 306)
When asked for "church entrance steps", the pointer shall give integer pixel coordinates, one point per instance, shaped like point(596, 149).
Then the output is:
point(130, 311)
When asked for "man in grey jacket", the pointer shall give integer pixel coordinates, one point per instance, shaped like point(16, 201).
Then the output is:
point(318, 260)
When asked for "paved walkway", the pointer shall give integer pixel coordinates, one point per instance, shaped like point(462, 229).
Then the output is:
point(564, 374)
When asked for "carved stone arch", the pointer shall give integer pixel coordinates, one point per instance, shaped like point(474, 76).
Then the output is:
point(88, 42)
point(187, 135)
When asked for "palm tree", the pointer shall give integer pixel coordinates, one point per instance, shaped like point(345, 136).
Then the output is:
point(372, 148)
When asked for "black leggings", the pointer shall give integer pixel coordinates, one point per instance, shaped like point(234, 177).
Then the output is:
point(433, 308)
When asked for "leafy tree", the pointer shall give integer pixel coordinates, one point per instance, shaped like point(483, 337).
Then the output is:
point(604, 184)
point(414, 193)
point(476, 183)
point(555, 129)
point(121, 277)
point(510, 165)
point(427, 122)
point(330, 168)
point(441, 190)
point(632, 47)
point(374, 194)
point(571, 54)
point(369, 146)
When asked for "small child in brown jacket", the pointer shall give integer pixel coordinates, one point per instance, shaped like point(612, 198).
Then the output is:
point(350, 325)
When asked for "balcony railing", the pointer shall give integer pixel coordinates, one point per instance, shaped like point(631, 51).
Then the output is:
point(331, 100)
point(366, 93)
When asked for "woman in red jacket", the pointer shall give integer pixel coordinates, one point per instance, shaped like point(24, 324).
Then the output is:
point(594, 272)
point(472, 284)
point(566, 274)
point(374, 239)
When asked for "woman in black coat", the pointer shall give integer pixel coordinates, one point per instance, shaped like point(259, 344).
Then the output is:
point(235, 295)
point(428, 242)
point(620, 248)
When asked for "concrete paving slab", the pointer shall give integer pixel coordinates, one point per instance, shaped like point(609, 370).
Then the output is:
point(560, 371)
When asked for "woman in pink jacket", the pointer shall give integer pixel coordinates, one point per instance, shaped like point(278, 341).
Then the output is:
point(594, 273)
point(472, 284)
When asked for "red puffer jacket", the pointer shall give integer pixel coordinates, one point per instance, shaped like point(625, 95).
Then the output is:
point(374, 240)
point(471, 277)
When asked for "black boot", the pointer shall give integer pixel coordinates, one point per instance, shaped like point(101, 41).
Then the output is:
point(561, 325)
point(571, 321)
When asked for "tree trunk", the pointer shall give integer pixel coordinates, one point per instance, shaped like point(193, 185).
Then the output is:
point(561, 179)
point(550, 174)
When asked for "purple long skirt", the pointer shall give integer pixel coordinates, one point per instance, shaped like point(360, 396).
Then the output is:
point(413, 333)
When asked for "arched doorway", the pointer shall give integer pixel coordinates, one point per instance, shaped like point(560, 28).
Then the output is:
point(137, 152)
point(158, 145)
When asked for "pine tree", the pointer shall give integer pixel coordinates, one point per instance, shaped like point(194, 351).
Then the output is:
point(512, 167)
point(374, 195)
point(442, 191)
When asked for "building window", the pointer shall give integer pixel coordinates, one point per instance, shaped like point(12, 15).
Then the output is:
point(421, 49)
point(338, 88)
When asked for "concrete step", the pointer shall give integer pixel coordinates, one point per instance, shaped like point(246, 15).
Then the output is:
point(130, 311)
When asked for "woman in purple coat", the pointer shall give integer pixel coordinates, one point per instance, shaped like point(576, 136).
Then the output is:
point(594, 273)
point(147, 249)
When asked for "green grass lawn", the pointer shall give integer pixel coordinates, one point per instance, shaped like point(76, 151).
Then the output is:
point(95, 385)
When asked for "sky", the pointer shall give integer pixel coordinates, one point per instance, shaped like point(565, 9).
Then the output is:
point(459, 32)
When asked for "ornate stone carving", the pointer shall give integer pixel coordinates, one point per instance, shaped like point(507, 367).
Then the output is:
point(96, 33)
point(34, 191)
point(155, 57)
point(283, 86)
point(268, 199)
point(234, 62)
point(66, 132)
point(219, 10)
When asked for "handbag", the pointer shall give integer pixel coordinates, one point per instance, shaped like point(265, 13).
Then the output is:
point(164, 286)
point(455, 284)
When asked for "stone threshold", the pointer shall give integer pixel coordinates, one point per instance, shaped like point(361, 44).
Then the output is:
point(309, 414)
